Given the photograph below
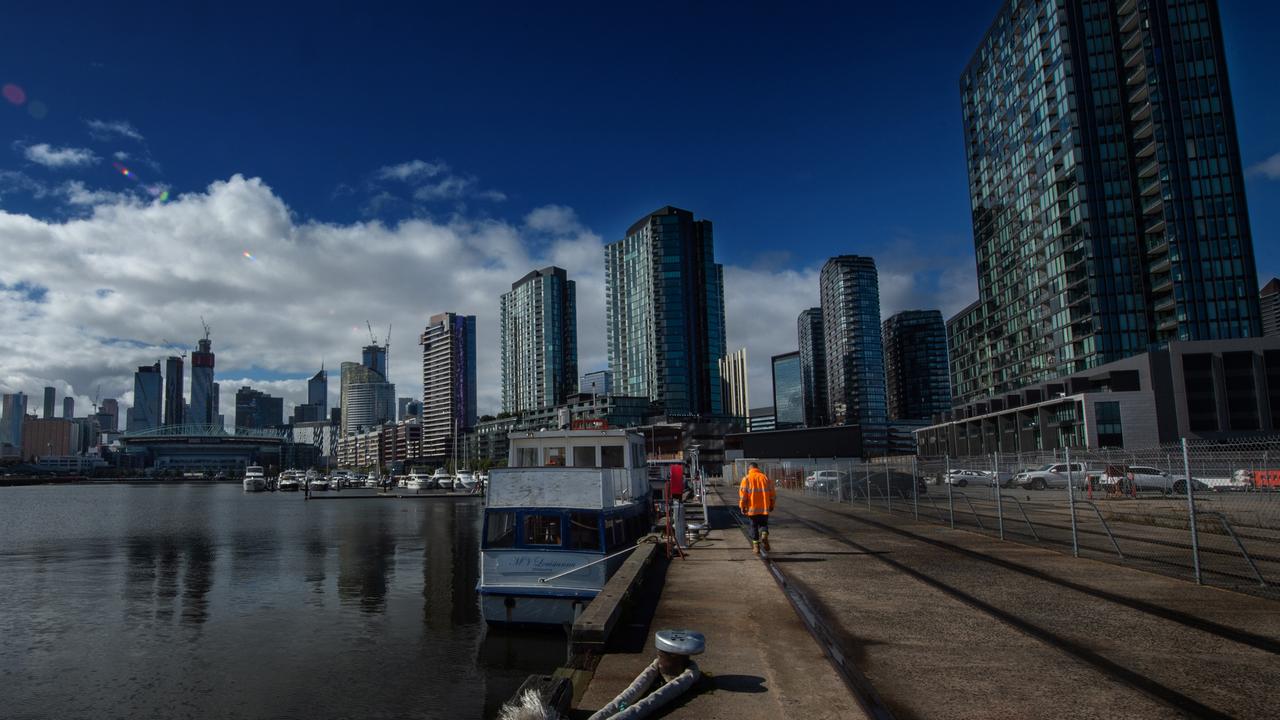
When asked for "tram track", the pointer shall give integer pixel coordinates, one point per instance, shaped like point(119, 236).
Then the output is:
point(1155, 688)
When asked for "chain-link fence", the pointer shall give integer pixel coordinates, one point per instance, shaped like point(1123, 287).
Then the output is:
point(1205, 511)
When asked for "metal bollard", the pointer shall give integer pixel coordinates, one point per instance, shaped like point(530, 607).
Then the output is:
point(1191, 512)
point(675, 647)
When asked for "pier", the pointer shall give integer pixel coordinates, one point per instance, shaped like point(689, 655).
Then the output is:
point(860, 613)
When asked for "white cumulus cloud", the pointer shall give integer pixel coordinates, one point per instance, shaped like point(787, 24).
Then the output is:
point(112, 129)
point(59, 157)
point(1269, 168)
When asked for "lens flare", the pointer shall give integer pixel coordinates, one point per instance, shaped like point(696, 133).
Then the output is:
point(14, 94)
point(156, 191)
point(248, 255)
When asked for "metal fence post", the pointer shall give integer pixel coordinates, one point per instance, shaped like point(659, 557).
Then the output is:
point(915, 489)
point(1071, 505)
point(951, 505)
point(868, 486)
point(888, 491)
point(995, 479)
point(1191, 511)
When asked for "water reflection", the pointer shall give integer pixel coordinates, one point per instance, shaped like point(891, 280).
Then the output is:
point(366, 565)
point(201, 601)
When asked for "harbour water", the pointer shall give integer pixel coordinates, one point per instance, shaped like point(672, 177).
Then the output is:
point(198, 600)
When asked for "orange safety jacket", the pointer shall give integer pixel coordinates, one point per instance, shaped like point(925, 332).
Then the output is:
point(756, 495)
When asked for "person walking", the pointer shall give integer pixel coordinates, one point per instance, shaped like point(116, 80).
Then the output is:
point(756, 497)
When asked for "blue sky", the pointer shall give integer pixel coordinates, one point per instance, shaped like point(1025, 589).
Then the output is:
point(802, 130)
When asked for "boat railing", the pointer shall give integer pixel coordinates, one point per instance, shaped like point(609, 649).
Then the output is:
point(586, 565)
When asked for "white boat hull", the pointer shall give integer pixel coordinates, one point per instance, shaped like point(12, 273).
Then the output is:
point(535, 610)
point(255, 484)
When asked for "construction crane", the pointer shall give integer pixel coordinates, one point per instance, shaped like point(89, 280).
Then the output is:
point(175, 346)
point(206, 327)
point(96, 394)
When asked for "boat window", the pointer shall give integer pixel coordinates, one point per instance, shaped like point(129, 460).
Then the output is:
point(584, 531)
point(500, 530)
point(527, 457)
point(615, 531)
point(542, 530)
point(584, 457)
point(611, 456)
point(553, 457)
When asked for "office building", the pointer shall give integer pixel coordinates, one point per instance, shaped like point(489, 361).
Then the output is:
point(733, 382)
point(1199, 390)
point(258, 410)
point(915, 363)
point(174, 403)
point(13, 413)
point(366, 398)
point(407, 407)
point(850, 292)
point(760, 419)
point(813, 366)
point(148, 391)
point(599, 382)
point(202, 393)
point(788, 391)
point(374, 357)
point(48, 402)
point(448, 383)
point(318, 391)
point(1106, 188)
point(664, 304)
point(68, 408)
point(1269, 300)
point(110, 408)
point(538, 334)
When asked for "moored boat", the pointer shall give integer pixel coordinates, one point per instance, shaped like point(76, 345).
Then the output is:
point(442, 479)
point(290, 480)
point(465, 480)
point(255, 480)
point(555, 531)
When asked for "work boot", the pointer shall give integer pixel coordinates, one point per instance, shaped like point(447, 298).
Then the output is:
point(764, 540)
point(755, 547)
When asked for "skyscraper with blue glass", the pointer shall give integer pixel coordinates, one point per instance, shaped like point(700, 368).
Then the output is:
point(664, 300)
point(1106, 188)
point(915, 359)
point(788, 391)
point(850, 293)
point(538, 333)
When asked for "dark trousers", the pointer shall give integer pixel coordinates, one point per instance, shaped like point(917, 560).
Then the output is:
point(758, 523)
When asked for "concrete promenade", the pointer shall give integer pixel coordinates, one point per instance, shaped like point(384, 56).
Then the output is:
point(761, 661)
point(955, 624)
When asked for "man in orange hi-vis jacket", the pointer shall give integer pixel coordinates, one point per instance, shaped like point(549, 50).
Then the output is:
point(756, 497)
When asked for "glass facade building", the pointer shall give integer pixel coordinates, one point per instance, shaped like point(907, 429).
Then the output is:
point(538, 332)
point(915, 362)
point(1106, 188)
point(813, 366)
point(599, 382)
point(256, 409)
point(148, 399)
point(850, 291)
point(174, 403)
point(788, 391)
point(733, 384)
point(366, 398)
point(664, 298)
point(1269, 300)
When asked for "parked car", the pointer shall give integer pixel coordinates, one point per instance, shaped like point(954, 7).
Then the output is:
point(1144, 478)
point(823, 480)
point(964, 478)
point(1052, 475)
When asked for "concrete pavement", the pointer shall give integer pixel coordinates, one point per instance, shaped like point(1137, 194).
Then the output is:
point(761, 661)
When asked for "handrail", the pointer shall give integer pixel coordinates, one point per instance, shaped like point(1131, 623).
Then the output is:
point(1105, 526)
point(593, 562)
point(1226, 525)
point(972, 509)
point(1023, 510)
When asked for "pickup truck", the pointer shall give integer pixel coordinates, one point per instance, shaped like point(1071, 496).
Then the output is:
point(1052, 475)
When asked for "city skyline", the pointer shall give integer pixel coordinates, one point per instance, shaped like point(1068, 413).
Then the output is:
point(272, 240)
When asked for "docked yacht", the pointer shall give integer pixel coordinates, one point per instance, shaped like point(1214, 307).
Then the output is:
point(316, 481)
point(416, 482)
point(464, 480)
point(290, 480)
point(255, 480)
point(558, 521)
point(442, 479)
